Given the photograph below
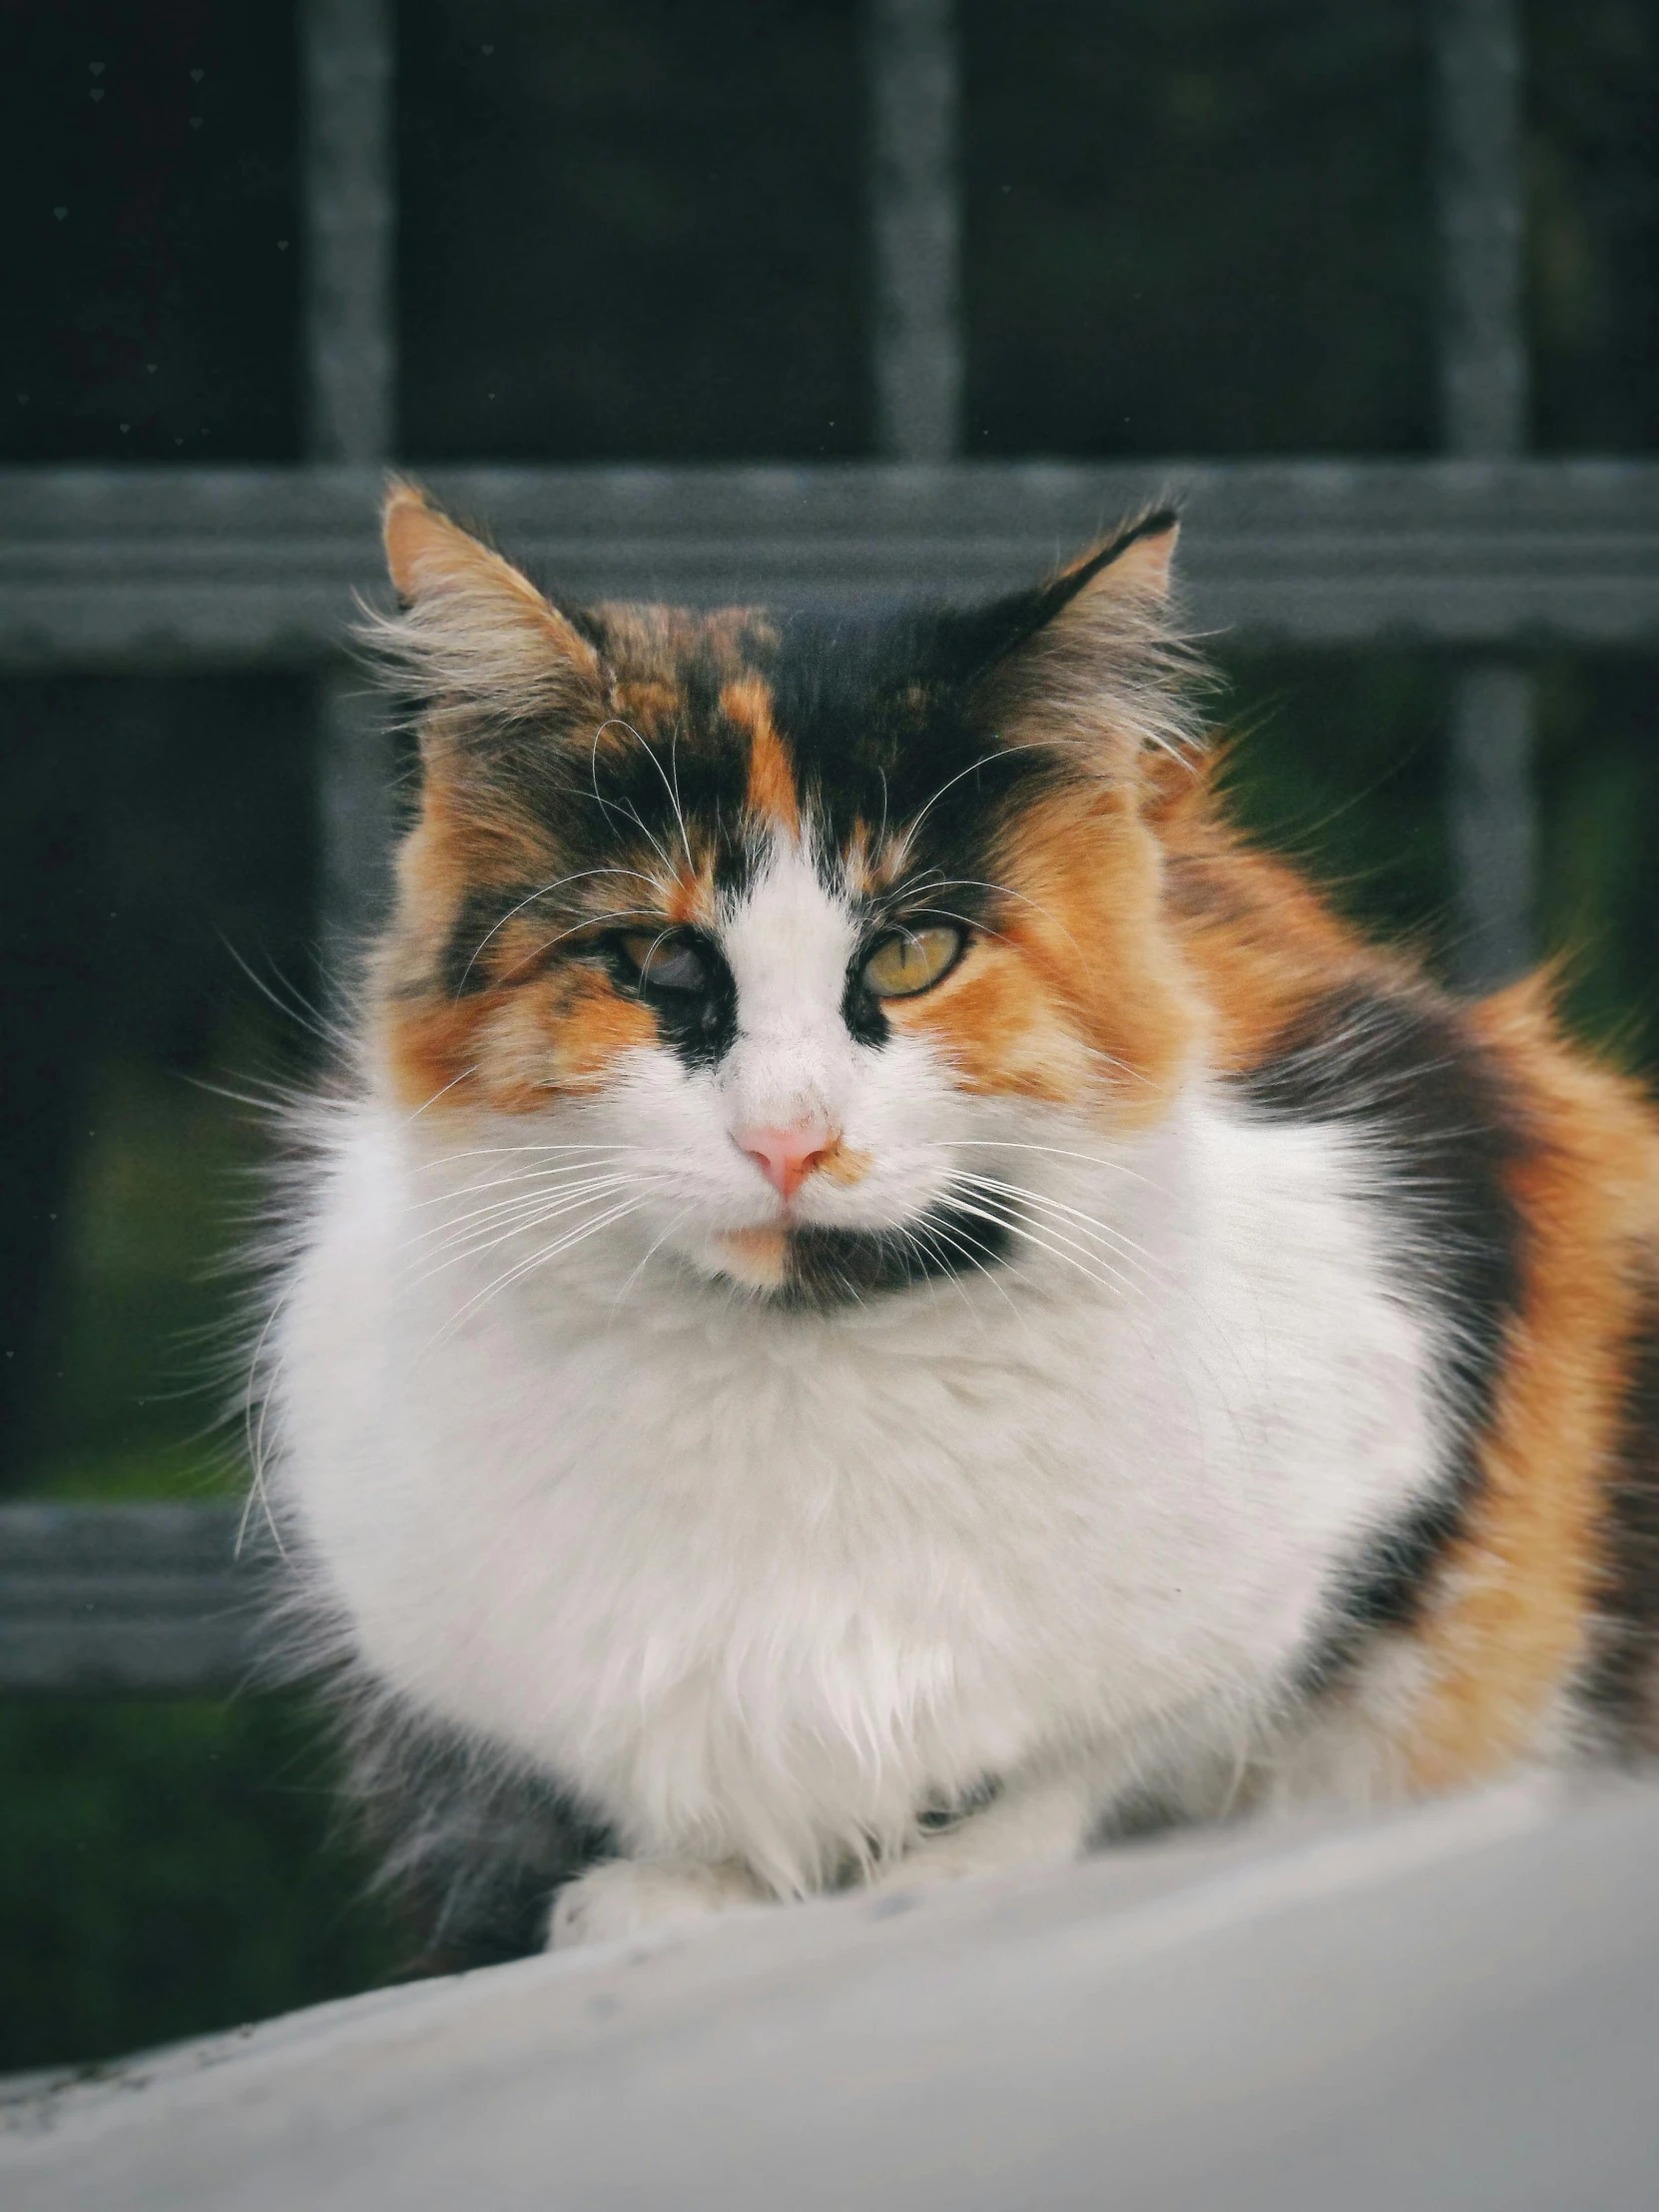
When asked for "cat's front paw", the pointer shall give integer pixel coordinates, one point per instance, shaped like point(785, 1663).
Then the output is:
point(627, 1896)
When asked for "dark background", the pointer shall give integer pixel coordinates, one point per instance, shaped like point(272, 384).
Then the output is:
point(635, 230)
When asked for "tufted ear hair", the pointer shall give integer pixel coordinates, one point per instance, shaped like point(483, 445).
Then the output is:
point(1134, 563)
point(474, 632)
point(1092, 659)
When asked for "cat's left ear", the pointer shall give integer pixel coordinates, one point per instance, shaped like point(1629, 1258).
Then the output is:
point(1133, 564)
point(1091, 660)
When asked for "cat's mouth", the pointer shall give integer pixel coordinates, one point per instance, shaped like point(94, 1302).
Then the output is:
point(806, 1264)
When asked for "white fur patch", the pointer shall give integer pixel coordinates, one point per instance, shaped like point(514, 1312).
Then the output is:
point(763, 1585)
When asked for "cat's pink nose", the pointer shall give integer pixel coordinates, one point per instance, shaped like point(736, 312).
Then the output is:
point(786, 1157)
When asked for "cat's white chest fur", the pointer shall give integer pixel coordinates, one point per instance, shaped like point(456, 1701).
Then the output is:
point(764, 1585)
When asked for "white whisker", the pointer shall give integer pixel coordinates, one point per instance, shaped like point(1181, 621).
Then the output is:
point(1051, 1243)
point(938, 1235)
point(1020, 1191)
point(502, 1151)
point(673, 789)
point(443, 1093)
point(1007, 890)
point(594, 922)
point(470, 1245)
point(544, 891)
point(505, 1182)
point(446, 1236)
point(651, 1253)
point(610, 806)
point(1094, 1160)
point(1001, 753)
point(539, 1259)
point(253, 1431)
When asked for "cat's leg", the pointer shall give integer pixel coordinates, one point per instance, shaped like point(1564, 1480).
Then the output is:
point(624, 1896)
point(1034, 1821)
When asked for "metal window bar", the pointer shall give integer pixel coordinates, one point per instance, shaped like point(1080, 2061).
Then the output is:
point(1485, 406)
point(1479, 552)
point(915, 228)
point(106, 1599)
point(347, 122)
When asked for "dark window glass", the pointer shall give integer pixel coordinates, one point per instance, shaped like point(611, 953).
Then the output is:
point(149, 186)
point(1198, 227)
point(1593, 232)
point(632, 229)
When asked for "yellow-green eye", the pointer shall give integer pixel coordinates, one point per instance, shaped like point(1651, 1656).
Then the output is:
point(666, 964)
point(913, 963)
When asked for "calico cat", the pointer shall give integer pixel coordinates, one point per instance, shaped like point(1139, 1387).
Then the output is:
point(888, 1297)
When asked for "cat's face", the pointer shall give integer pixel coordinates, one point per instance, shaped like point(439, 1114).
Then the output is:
point(787, 948)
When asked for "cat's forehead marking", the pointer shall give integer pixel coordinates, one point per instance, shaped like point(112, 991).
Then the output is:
point(761, 729)
point(771, 791)
point(689, 899)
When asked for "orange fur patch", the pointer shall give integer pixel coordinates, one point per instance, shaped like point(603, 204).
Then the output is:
point(1257, 938)
point(690, 900)
point(772, 794)
point(842, 1164)
point(431, 1049)
point(652, 708)
point(1509, 1613)
point(1084, 996)
point(1515, 1600)
point(756, 1256)
point(513, 1051)
point(998, 1034)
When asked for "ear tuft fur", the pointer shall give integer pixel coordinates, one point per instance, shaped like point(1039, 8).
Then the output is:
point(474, 632)
point(1133, 562)
point(1104, 668)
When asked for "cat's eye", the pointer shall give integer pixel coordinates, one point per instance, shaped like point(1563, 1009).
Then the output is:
point(666, 964)
point(913, 961)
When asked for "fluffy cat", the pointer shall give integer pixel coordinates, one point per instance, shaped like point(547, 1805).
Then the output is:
point(889, 1298)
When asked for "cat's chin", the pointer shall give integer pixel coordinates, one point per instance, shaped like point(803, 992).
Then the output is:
point(782, 1262)
point(759, 1258)
point(814, 1268)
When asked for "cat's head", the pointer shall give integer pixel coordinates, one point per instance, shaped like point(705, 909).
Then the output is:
point(781, 946)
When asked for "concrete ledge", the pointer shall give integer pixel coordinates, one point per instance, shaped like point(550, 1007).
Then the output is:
point(1456, 2006)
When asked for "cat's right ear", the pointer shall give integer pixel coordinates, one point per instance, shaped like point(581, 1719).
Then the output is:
point(474, 631)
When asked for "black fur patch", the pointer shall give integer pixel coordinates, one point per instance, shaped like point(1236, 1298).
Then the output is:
point(1622, 1686)
point(875, 715)
point(698, 1026)
point(466, 965)
point(477, 1842)
point(1438, 1120)
point(840, 1267)
point(862, 1011)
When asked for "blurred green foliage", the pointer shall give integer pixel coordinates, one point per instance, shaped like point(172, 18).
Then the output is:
point(167, 1868)
point(1339, 761)
point(148, 1341)
point(633, 229)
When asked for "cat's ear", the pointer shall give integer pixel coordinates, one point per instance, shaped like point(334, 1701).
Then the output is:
point(1133, 564)
point(474, 632)
point(1092, 659)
